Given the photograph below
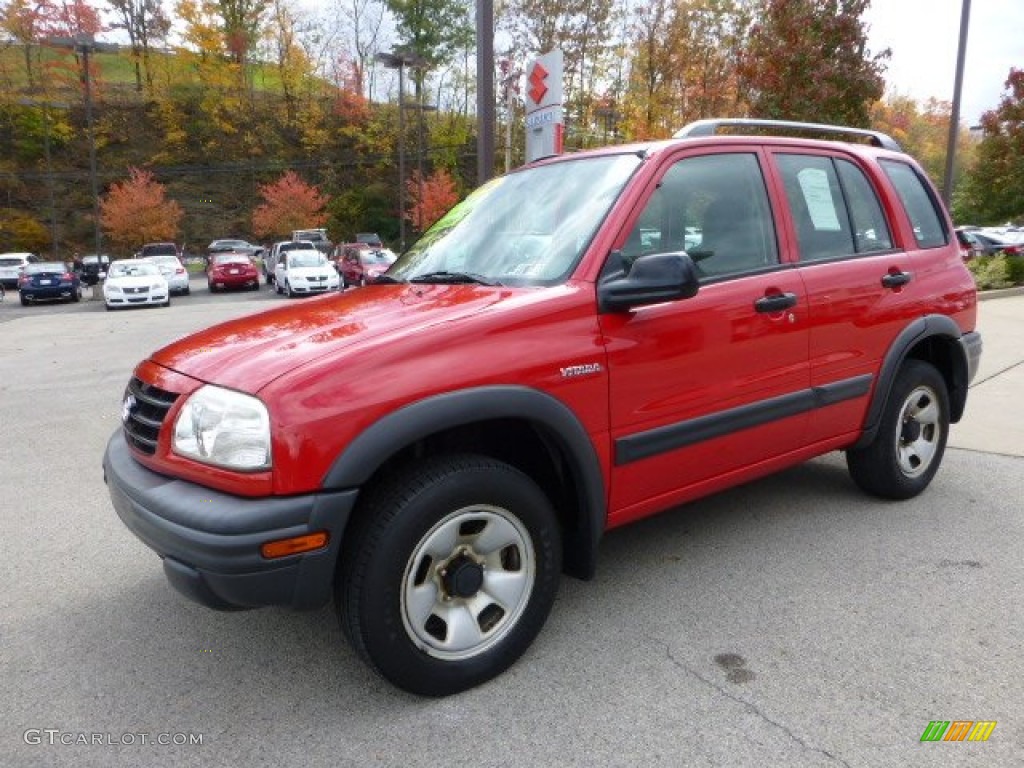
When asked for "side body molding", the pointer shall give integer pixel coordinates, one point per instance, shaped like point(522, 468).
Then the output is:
point(357, 463)
point(960, 350)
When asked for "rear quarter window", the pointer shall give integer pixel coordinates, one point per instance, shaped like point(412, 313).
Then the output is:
point(919, 202)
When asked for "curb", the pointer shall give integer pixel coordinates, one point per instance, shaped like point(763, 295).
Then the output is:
point(1001, 293)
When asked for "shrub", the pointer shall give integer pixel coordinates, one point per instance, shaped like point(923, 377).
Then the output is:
point(991, 271)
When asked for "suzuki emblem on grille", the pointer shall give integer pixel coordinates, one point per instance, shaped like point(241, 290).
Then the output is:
point(126, 408)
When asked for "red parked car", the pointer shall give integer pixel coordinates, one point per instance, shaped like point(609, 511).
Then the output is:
point(232, 270)
point(360, 264)
point(586, 341)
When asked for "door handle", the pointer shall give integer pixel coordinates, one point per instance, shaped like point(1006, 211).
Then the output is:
point(896, 279)
point(776, 302)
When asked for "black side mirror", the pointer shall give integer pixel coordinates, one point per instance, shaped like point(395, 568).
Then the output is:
point(652, 279)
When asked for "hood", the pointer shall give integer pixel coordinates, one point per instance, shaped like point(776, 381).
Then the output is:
point(248, 353)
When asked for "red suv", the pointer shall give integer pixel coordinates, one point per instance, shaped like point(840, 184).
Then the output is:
point(581, 343)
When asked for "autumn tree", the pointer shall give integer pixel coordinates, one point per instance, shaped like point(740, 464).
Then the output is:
point(922, 129)
point(23, 20)
point(430, 200)
point(993, 190)
point(137, 211)
point(808, 60)
point(580, 28)
point(684, 65)
point(145, 21)
point(288, 204)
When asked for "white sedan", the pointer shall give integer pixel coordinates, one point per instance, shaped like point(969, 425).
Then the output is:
point(135, 283)
point(305, 271)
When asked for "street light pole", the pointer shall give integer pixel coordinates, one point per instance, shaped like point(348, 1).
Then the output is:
point(400, 59)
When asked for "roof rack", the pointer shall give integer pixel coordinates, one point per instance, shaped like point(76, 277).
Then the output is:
point(710, 128)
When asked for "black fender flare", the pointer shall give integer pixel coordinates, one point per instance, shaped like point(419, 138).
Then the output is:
point(381, 440)
point(921, 329)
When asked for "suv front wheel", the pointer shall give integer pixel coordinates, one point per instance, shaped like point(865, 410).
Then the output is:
point(907, 450)
point(450, 573)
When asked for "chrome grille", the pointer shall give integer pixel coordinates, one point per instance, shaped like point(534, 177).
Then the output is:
point(145, 408)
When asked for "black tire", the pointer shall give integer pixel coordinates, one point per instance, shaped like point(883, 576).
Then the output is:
point(906, 452)
point(288, 290)
point(24, 302)
point(277, 288)
point(393, 595)
point(187, 291)
point(210, 286)
point(76, 295)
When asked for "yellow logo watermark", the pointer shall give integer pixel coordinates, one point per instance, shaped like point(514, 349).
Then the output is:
point(958, 730)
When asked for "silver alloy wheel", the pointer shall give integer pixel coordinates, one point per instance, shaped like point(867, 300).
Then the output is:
point(467, 583)
point(920, 431)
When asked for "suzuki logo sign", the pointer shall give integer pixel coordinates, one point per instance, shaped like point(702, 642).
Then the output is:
point(544, 119)
point(537, 87)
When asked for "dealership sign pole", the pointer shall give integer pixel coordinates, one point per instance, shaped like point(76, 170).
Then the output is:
point(544, 118)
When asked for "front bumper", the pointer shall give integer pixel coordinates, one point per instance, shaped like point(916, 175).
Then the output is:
point(210, 541)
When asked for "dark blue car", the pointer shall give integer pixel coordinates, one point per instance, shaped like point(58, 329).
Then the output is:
point(48, 281)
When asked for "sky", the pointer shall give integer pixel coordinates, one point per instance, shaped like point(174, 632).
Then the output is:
point(924, 35)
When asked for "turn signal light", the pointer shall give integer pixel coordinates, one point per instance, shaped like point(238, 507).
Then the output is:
point(294, 545)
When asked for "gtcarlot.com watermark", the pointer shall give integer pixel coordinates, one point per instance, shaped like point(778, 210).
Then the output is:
point(57, 737)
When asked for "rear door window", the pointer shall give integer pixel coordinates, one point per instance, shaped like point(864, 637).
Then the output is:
point(920, 204)
point(835, 210)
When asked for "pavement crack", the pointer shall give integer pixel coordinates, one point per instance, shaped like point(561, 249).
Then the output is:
point(752, 708)
point(995, 375)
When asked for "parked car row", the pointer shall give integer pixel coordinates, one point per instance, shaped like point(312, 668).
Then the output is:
point(975, 241)
point(157, 270)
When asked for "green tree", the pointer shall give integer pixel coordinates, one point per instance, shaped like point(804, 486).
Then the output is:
point(433, 30)
point(808, 60)
point(993, 189)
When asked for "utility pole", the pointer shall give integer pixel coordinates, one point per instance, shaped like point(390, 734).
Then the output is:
point(484, 90)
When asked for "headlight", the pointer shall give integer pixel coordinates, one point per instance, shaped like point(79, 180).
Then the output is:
point(157, 286)
point(226, 428)
point(111, 288)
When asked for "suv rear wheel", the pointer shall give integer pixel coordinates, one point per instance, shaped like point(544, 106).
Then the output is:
point(450, 573)
point(907, 450)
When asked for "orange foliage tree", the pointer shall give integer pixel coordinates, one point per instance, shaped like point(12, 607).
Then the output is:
point(137, 211)
point(289, 204)
point(439, 194)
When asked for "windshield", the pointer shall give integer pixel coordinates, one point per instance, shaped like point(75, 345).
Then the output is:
point(171, 261)
point(530, 227)
point(49, 266)
point(232, 258)
point(162, 249)
point(135, 269)
point(377, 257)
point(9, 262)
point(306, 259)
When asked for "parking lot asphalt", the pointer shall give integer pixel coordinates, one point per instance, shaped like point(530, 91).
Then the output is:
point(789, 622)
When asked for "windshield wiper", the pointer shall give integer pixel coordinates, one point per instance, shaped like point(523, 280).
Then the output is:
point(453, 277)
point(383, 279)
